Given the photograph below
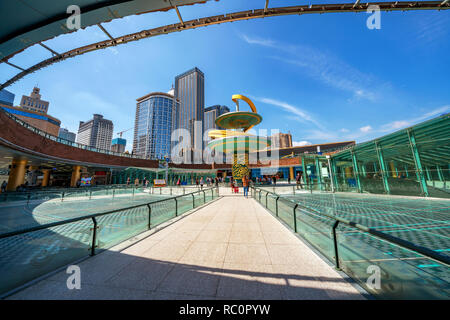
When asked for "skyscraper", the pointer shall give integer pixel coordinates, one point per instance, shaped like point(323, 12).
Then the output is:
point(96, 132)
point(190, 91)
point(211, 113)
point(156, 115)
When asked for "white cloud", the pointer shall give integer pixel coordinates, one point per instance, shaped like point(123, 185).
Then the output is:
point(301, 143)
point(300, 114)
point(365, 129)
point(259, 41)
point(400, 124)
point(325, 67)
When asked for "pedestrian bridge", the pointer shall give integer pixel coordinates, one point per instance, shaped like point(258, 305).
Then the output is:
point(229, 248)
point(282, 242)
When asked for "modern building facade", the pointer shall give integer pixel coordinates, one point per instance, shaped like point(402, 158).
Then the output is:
point(190, 91)
point(66, 134)
point(33, 102)
point(281, 140)
point(6, 97)
point(118, 145)
point(211, 113)
point(96, 132)
point(156, 116)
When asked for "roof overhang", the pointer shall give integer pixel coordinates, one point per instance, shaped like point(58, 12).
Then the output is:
point(27, 22)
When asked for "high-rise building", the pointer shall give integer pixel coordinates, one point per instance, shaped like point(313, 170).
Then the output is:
point(190, 91)
point(281, 140)
point(118, 145)
point(211, 113)
point(34, 102)
point(66, 134)
point(156, 115)
point(6, 97)
point(96, 132)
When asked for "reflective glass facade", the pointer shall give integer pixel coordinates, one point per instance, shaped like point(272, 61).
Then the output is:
point(155, 119)
point(190, 91)
point(6, 97)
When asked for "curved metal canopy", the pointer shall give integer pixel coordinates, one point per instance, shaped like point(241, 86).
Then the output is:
point(102, 11)
point(27, 22)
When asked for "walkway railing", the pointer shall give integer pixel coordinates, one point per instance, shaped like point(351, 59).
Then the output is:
point(404, 269)
point(29, 253)
point(93, 192)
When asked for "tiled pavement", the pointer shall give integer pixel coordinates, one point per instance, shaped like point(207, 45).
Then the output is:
point(230, 249)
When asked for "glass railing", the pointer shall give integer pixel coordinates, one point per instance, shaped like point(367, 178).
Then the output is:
point(29, 253)
point(94, 192)
point(406, 270)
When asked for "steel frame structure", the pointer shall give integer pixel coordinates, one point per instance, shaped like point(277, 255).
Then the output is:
point(219, 19)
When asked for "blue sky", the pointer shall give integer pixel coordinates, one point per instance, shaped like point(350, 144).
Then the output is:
point(323, 77)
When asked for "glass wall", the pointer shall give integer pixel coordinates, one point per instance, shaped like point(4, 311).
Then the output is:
point(413, 162)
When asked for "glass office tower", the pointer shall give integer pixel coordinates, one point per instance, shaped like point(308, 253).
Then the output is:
point(155, 119)
point(190, 91)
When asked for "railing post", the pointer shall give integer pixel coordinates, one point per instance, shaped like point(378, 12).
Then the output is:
point(335, 225)
point(193, 200)
point(149, 216)
point(94, 236)
point(266, 198)
point(113, 192)
point(170, 190)
point(62, 196)
point(276, 206)
point(176, 207)
point(28, 199)
point(204, 197)
point(90, 194)
point(295, 217)
point(160, 190)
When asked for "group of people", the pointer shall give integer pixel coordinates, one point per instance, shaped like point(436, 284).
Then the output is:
point(145, 182)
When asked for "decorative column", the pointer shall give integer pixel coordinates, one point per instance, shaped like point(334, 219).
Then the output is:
point(76, 173)
point(16, 174)
point(46, 177)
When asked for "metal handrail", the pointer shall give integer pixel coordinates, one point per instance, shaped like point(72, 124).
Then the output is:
point(59, 223)
point(379, 234)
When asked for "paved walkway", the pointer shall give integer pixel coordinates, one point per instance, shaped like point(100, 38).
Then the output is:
point(230, 249)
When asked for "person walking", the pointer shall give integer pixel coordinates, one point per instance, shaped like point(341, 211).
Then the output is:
point(201, 182)
point(299, 179)
point(245, 184)
point(136, 182)
point(128, 181)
